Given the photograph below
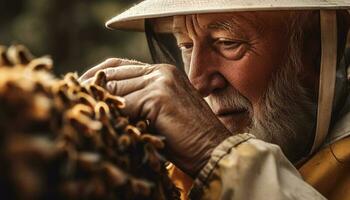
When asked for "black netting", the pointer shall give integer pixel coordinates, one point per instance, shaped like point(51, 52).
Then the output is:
point(162, 46)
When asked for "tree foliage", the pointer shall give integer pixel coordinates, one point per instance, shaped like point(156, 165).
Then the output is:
point(71, 31)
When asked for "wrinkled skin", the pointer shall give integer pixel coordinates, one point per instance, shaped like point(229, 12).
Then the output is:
point(217, 61)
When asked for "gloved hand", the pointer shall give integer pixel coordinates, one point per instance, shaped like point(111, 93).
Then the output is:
point(163, 95)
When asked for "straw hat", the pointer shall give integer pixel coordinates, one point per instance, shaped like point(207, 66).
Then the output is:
point(133, 18)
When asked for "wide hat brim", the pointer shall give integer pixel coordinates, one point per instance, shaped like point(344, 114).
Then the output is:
point(133, 18)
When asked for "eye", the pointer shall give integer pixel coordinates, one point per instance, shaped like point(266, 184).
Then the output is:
point(231, 48)
point(224, 43)
point(185, 46)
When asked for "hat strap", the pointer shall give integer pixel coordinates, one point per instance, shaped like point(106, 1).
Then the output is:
point(328, 20)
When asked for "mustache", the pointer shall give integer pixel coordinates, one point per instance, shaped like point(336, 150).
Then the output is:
point(229, 98)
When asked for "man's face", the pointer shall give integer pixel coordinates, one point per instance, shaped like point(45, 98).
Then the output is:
point(238, 61)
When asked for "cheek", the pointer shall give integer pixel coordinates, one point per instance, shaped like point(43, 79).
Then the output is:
point(186, 59)
point(250, 75)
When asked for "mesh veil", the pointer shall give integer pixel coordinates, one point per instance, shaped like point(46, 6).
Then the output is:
point(162, 46)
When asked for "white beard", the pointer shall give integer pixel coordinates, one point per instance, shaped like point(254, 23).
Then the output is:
point(286, 114)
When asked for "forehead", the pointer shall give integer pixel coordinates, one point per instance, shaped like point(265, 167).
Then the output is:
point(256, 20)
point(208, 21)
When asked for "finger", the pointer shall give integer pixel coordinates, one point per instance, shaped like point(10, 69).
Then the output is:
point(127, 86)
point(111, 62)
point(133, 102)
point(122, 72)
point(139, 105)
point(127, 72)
point(88, 81)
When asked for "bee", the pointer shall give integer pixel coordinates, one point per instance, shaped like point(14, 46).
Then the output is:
point(64, 140)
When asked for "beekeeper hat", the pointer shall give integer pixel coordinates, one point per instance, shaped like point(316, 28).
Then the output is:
point(163, 10)
point(133, 18)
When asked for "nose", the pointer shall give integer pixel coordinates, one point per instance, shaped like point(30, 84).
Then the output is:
point(204, 73)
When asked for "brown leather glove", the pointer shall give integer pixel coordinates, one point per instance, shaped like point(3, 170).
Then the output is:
point(163, 95)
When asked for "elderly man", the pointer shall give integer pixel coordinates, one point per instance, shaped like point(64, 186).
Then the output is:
point(246, 96)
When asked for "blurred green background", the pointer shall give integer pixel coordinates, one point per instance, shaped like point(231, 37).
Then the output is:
point(71, 31)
